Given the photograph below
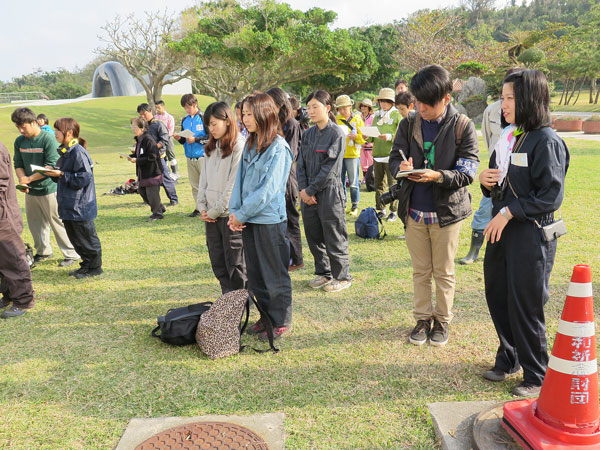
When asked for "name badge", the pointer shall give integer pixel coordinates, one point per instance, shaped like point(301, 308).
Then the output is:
point(519, 159)
point(199, 127)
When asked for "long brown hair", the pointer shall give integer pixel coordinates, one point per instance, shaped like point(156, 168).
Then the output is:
point(221, 111)
point(67, 124)
point(266, 116)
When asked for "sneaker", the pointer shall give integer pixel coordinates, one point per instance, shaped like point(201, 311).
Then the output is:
point(439, 333)
point(354, 211)
point(173, 203)
point(194, 213)
point(67, 262)
point(337, 285)
point(420, 333)
point(88, 273)
point(37, 258)
point(257, 328)
point(75, 272)
point(153, 218)
point(392, 217)
point(293, 267)
point(13, 311)
point(319, 281)
point(277, 332)
point(382, 214)
point(495, 374)
point(526, 390)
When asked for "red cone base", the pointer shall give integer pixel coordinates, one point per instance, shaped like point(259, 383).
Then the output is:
point(529, 431)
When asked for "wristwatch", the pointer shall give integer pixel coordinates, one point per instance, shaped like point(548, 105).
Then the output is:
point(440, 180)
point(505, 213)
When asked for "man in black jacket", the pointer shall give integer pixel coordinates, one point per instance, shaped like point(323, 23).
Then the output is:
point(434, 201)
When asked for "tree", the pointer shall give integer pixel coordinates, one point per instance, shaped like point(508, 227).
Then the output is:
point(141, 45)
point(236, 50)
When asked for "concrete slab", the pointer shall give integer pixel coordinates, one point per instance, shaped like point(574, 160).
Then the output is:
point(267, 426)
point(453, 422)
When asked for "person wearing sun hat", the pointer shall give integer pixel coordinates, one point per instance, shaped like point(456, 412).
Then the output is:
point(386, 119)
point(350, 124)
point(365, 107)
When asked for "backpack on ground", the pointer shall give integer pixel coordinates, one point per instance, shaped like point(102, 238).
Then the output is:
point(178, 326)
point(220, 328)
point(367, 225)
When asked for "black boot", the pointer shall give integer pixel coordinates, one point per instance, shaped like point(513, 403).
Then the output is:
point(476, 243)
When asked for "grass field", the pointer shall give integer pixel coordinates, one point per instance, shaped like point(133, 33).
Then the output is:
point(82, 363)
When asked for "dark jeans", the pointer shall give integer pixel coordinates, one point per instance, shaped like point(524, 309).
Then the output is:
point(84, 238)
point(326, 233)
point(15, 275)
point(151, 195)
point(293, 221)
point(267, 256)
point(517, 272)
point(168, 182)
point(226, 252)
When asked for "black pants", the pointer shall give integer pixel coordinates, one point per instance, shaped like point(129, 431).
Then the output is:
point(326, 233)
point(267, 256)
point(84, 238)
point(293, 221)
point(151, 195)
point(15, 275)
point(226, 252)
point(168, 182)
point(517, 272)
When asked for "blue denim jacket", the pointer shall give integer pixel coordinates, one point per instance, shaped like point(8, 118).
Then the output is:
point(259, 192)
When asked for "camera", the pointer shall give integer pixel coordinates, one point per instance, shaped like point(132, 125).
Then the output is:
point(497, 193)
point(392, 194)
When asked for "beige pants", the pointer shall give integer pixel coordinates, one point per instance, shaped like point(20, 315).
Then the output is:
point(42, 214)
point(194, 167)
point(432, 250)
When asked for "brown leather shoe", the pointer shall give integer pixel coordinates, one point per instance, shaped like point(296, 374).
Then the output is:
point(295, 267)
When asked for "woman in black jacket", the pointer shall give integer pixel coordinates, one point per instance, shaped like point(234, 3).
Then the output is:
point(526, 182)
point(148, 167)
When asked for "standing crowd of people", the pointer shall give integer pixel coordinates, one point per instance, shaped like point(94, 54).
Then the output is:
point(248, 170)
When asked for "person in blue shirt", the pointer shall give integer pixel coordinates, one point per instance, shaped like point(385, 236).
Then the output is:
point(193, 145)
point(257, 209)
point(42, 120)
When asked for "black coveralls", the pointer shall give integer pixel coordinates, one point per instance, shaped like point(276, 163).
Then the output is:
point(319, 166)
point(517, 267)
point(15, 275)
point(292, 135)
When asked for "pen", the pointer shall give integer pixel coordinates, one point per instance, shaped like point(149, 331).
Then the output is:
point(402, 154)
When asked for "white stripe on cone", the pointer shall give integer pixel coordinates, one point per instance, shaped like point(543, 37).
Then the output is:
point(581, 290)
point(581, 368)
point(577, 329)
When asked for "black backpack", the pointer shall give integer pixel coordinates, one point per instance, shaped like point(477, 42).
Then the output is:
point(178, 326)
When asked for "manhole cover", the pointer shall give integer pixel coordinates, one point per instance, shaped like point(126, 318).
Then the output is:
point(205, 436)
point(488, 433)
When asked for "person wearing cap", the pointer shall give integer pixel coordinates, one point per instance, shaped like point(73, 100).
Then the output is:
point(366, 152)
point(386, 120)
point(350, 124)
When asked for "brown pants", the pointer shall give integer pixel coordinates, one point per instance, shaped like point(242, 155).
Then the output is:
point(14, 270)
point(432, 250)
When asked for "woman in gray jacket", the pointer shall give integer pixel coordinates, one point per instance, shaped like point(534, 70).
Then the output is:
point(222, 157)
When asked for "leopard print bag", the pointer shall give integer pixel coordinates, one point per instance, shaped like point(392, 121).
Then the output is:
point(219, 332)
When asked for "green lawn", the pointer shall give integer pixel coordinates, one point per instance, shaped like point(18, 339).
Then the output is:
point(82, 363)
point(582, 104)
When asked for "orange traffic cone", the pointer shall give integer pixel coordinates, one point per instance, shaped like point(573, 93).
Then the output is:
point(566, 415)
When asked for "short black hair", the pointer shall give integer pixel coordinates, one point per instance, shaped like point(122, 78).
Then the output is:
point(22, 116)
point(532, 99)
point(405, 98)
point(188, 100)
point(144, 107)
point(43, 117)
point(294, 103)
point(159, 102)
point(431, 84)
point(281, 100)
point(399, 82)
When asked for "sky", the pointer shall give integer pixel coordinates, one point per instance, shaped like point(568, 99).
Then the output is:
point(49, 35)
